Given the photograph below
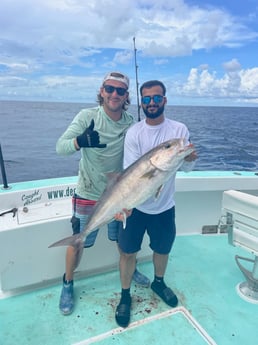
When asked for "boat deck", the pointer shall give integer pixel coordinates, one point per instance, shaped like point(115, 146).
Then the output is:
point(201, 270)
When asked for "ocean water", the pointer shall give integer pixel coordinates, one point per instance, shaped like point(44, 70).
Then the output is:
point(226, 138)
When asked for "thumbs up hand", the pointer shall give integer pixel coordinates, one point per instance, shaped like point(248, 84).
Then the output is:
point(89, 138)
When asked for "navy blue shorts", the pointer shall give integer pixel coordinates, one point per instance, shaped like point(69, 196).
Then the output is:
point(160, 228)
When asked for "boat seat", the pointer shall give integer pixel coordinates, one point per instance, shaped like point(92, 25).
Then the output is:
point(240, 215)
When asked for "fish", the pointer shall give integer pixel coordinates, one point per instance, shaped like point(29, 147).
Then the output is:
point(130, 188)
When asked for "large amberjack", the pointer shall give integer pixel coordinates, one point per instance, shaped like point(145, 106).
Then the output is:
point(141, 180)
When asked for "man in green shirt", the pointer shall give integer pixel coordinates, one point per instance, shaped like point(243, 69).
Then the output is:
point(99, 134)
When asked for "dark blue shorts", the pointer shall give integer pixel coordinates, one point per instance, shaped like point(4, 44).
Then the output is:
point(160, 227)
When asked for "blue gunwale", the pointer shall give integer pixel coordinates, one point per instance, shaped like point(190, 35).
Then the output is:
point(27, 185)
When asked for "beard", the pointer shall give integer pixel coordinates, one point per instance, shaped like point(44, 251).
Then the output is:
point(160, 110)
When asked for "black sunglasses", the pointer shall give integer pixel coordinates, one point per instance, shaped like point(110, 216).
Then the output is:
point(119, 90)
point(156, 99)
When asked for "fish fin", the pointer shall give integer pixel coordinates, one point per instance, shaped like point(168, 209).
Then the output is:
point(124, 220)
point(158, 191)
point(149, 174)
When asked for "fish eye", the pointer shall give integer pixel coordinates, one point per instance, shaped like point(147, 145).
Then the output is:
point(167, 146)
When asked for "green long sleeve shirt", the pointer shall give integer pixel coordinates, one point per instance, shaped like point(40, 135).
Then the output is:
point(95, 163)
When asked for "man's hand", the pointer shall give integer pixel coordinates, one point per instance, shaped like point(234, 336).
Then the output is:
point(121, 216)
point(89, 138)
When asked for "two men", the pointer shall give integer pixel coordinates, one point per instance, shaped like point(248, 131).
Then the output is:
point(104, 137)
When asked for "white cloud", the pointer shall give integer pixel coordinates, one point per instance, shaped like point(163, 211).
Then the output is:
point(202, 83)
point(161, 61)
point(232, 65)
point(13, 67)
point(249, 82)
point(50, 44)
point(12, 82)
point(49, 28)
point(123, 57)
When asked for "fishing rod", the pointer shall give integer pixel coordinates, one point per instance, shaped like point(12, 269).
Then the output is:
point(3, 169)
point(137, 84)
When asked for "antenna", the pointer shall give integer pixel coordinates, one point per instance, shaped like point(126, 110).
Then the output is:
point(137, 84)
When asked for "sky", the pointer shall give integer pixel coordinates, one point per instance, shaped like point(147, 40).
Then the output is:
point(205, 52)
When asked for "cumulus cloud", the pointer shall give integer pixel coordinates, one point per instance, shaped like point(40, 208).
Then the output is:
point(232, 66)
point(123, 57)
point(164, 29)
point(202, 83)
point(44, 42)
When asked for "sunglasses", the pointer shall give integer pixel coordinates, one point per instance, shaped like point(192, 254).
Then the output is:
point(119, 90)
point(156, 99)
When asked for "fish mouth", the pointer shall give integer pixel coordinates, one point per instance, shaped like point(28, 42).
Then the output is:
point(184, 148)
point(189, 146)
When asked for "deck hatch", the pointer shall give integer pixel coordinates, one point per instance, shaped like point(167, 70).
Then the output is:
point(183, 327)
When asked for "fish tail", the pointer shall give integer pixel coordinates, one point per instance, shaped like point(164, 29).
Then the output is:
point(76, 242)
point(73, 241)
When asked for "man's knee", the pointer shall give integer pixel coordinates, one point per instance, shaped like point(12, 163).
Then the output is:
point(128, 256)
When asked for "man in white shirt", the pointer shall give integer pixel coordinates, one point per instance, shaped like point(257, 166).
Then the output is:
point(156, 216)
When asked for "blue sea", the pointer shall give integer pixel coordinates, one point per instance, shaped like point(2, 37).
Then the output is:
point(226, 138)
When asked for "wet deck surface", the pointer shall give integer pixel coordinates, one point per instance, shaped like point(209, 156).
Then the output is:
point(203, 273)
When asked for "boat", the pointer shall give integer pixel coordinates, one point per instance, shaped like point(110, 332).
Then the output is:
point(213, 268)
